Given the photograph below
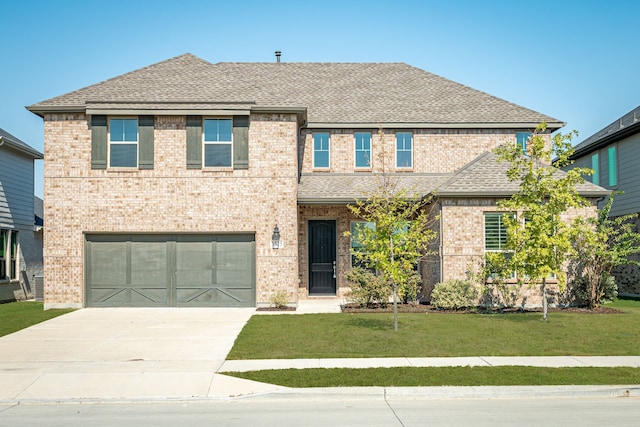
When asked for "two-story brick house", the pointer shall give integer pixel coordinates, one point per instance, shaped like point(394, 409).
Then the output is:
point(189, 183)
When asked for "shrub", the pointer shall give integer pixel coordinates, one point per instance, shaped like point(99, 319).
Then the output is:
point(409, 290)
point(606, 290)
point(454, 295)
point(279, 299)
point(367, 288)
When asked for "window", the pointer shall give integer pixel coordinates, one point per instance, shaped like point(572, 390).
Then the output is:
point(123, 143)
point(595, 165)
point(404, 150)
point(363, 149)
point(495, 236)
point(218, 142)
point(356, 245)
point(522, 138)
point(8, 254)
point(320, 150)
point(613, 166)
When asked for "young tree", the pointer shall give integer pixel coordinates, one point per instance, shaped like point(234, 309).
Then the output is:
point(601, 245)
point(401, 236)
point(537, 237)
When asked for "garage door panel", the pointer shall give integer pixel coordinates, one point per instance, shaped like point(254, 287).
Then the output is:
point(170, 270)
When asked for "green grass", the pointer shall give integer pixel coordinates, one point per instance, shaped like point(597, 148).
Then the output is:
point(441, 335)
point(444, 376)
point(19, 315)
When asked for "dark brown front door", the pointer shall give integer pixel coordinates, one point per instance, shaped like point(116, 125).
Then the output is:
point(322, 257)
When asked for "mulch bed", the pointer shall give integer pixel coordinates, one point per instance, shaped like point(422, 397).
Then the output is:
point(426, 308)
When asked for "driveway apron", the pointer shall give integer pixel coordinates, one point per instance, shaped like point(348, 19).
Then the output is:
point(124, 353)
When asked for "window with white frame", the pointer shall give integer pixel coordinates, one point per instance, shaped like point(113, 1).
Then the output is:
point(123, 142)
point(495, 236)
point(522, 139)
point(363, 149)
point(404, 150)
point(8, 254)
point(321, 150)
point(218, 142)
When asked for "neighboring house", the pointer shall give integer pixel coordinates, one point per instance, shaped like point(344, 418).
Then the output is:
point(614, 155)
point(187, 183)
point(20, 238)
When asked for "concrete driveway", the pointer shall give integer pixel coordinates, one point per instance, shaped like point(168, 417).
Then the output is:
point(125, 353)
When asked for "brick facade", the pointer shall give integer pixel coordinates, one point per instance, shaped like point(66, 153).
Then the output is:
point(169, 199)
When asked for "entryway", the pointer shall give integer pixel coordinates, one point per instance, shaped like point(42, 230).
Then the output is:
point(322, 257)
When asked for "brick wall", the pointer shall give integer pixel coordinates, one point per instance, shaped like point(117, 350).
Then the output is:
point(434, 150)
point(168, 199)
point(462, 241)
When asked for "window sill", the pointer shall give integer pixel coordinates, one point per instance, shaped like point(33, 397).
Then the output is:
point(363, 169)
point(220, 169)
point(321, 170)
point(122, 170)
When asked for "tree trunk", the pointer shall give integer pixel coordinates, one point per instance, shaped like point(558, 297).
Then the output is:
point(544, 299)
point(395, 307)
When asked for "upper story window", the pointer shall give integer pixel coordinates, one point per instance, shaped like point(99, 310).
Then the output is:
point(321, 150)
point(123, 142)
point(404, 150)
point(8, 254)
point(595, 165)
point(218, 143)
point(612, 160)
point(522, 138)
point(363, 149)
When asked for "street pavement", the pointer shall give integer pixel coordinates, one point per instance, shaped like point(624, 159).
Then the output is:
point(148, 354)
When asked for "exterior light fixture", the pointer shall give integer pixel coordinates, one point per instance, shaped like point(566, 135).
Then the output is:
point(276, 241)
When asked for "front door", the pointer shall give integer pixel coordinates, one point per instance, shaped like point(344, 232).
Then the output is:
point(322, 257)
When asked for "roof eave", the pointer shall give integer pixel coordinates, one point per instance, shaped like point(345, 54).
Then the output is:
point(35, 154)
point(606, 140)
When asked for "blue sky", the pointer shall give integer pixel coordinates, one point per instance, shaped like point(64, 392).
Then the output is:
point(572, 60)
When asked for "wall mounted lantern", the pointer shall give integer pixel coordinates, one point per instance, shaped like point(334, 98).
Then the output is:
point(276, 241)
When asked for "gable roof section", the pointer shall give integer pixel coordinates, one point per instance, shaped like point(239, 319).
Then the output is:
point(333, 94)
point(486, 176)
point(625, 126)
point(16, 144)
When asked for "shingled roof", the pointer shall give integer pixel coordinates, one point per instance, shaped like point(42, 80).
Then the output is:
point(625, 126)
point(17, 144)
point(332, 94)
point(485, 176)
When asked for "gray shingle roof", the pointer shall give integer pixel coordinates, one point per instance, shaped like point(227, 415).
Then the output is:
point(332, 93)
point(626, 125)
point(485, 176)
point(345, 188)
point(15, 143)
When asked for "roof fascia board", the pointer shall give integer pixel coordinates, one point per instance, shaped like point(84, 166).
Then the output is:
point(172, 112)
point(9, 143)
point(608, 139)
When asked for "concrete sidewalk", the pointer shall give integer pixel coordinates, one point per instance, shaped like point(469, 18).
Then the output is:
point(114, 354)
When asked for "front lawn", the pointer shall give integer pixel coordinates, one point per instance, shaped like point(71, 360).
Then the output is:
point(444, 376)
point(441, 335)
point(19, 315)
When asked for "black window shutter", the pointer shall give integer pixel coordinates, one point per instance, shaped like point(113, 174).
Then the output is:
point(194, 142)
point(98, 142)
point(241, 142)
point(145, 144)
